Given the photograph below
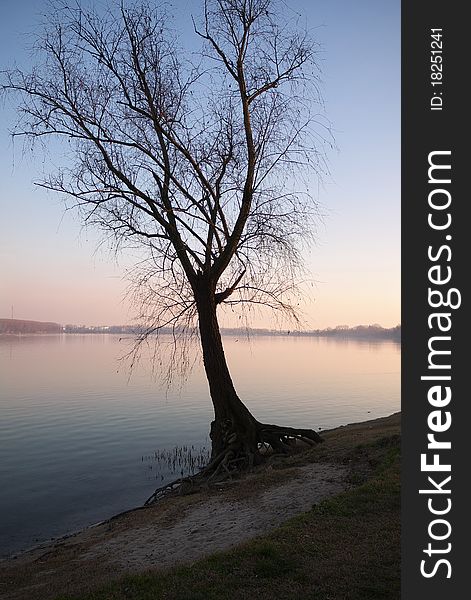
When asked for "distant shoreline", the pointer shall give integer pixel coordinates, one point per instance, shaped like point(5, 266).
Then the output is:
point(240, 333)
point(18, 327)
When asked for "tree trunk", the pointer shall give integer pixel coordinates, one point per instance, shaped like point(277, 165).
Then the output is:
point(234, 428)
point(235, 433)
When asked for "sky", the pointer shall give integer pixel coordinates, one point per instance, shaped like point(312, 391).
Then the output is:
point(53, 269)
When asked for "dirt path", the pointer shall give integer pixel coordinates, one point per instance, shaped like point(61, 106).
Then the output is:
point(175, 531)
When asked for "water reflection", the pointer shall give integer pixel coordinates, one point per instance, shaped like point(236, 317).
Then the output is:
point(74, 428)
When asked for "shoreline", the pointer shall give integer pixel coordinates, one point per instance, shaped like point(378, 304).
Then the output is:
point(126, 543)
point(45, 544)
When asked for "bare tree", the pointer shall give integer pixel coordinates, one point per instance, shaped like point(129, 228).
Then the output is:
point(192, 159)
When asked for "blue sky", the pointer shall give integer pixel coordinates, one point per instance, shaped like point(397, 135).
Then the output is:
point(51, 268)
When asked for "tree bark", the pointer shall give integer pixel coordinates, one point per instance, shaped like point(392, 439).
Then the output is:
point(234, 427)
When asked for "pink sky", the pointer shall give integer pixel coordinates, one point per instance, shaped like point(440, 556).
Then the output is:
point(49, 267)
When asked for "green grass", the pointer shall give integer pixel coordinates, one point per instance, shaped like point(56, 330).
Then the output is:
point(347, 547)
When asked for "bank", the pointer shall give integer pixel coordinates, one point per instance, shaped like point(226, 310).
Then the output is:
point(343, 543)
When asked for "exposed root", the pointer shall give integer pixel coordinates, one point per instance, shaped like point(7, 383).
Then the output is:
point(239, 455)
point(284, 438)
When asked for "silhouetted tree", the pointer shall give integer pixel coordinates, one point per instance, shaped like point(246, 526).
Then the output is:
point(194, 159)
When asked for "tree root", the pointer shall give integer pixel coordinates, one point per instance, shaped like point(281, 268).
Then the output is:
point(239, 455)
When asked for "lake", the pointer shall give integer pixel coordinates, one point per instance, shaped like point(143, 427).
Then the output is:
point(82, 438)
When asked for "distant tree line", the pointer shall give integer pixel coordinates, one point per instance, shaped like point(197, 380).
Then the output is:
point(16, 326)
point(341, 331)
point(360, 331)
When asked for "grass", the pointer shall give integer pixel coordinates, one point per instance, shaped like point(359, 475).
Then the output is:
point(347, 547)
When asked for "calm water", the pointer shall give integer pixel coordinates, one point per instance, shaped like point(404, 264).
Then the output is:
point(80, 440)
